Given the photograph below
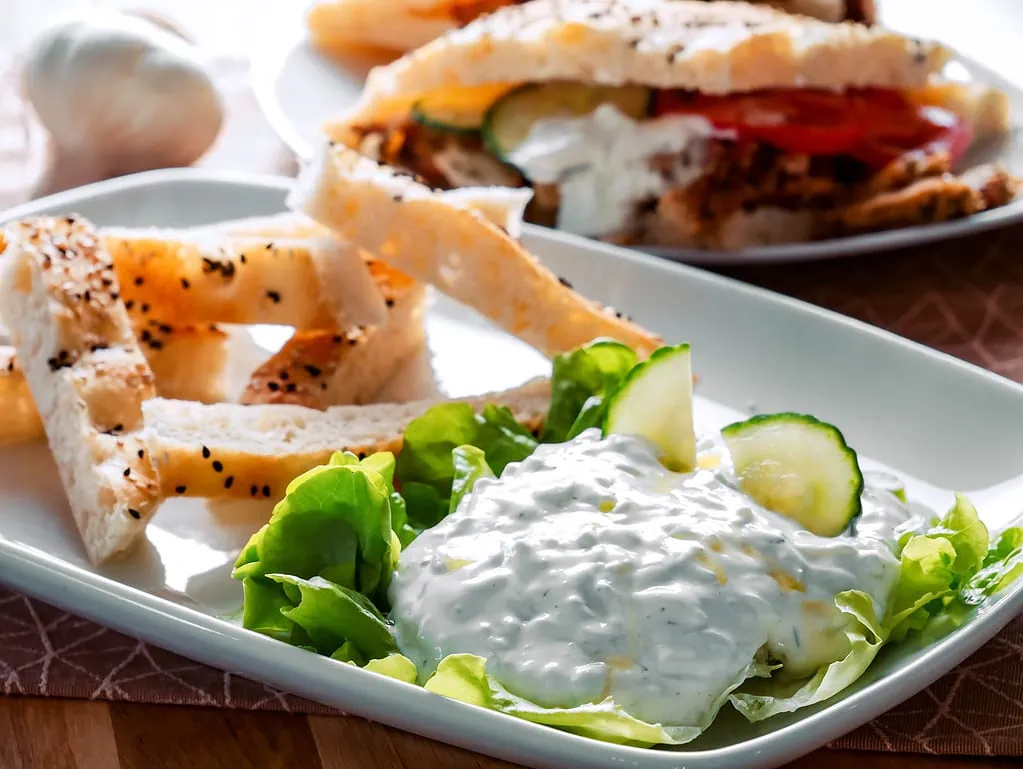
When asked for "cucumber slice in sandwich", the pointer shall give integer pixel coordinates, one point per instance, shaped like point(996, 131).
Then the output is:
point(655, 401)
point(508, 122)
point(800, 467)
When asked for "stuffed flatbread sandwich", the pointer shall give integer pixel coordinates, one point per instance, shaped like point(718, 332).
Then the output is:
point(688, 124)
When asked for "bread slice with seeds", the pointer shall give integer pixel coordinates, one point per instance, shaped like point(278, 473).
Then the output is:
point(86, 373)
point(243, 451)
point(311, 283)
point(437, 240)
point(187, 363)
point(714, 48)
point(318, 369)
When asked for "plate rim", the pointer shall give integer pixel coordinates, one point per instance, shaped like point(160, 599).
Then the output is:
point(178, 628)
point(267, 62)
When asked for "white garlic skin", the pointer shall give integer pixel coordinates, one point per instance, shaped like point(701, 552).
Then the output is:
point(119, 95)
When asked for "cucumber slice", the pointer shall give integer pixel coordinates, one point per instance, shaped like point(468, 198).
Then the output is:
point(655, 401)
point(508, 122)
point(800, 467)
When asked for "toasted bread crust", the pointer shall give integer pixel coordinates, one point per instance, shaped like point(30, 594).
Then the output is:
point(457, 250)
point(86, 372)
point(231, 450)
point(719, 47)
point(318, 369)
point(317, 283)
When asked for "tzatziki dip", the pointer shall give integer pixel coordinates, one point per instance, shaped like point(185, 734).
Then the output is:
point(589, 570)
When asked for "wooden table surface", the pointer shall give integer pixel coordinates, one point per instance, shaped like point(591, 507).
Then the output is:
point(74, 734)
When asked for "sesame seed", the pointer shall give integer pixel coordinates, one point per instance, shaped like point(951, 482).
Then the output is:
point(180, 489)
point(134, 513)
point(205, 453)
point(229, 482)
point(218, 466)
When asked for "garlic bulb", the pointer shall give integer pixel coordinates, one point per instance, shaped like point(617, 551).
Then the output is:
point(117, 95)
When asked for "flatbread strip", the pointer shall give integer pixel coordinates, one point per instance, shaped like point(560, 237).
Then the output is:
point(255, 451)
point(335, 26)
point(311, 283)
point(187, 363)
point(86, 372)
point(719, 47)
point(455, 249)
point(21, 422)
point(319, 369)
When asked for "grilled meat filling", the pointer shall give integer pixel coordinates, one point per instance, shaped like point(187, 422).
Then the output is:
point(835, 194)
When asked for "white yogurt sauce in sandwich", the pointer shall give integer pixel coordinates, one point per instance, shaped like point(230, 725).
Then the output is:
point(601, 163)
point(589, 570)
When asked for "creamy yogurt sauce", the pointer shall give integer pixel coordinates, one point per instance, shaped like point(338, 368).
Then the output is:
point(589, 570)
point(601, 162)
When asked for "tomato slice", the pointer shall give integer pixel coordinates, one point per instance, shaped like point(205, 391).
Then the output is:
point(875, 125)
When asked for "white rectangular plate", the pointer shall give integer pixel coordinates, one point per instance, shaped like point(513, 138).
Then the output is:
point(943, 424)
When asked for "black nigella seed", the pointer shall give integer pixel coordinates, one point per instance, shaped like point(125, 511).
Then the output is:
point(139, 281)
point(144, 308)
point(362, 455)
point(291, 387)
point(129, 304)
point(337, 339)
point(266, 491)
point(185, 284)
point(142, 453)
point(242, 259)
point(205, 453)
point(284, 375)
point(314, 371)
point(134, 513)
point(165, 328)
point(323, 385)
point(389, 302)
point(145, 336)
point(274, 296)
point(273, 386)
point(87, 295)
point(254, 490)
point(564, 282)
point(229, 482)
point(127, 472)
point(218, 466)
point(180, 489)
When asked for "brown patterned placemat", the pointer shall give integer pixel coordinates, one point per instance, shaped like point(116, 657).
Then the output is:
point(965, 298)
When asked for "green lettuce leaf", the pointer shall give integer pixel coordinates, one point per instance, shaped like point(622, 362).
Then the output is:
point(463, 677)
point(581, 382)
point(333, 617)
point(943, 574)
point(332, 531)
point(426, 465)
point(866, 636)
point(470, 465)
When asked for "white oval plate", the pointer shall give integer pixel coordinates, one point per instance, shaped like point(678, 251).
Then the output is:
point(942, 423)
point(300, 89)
